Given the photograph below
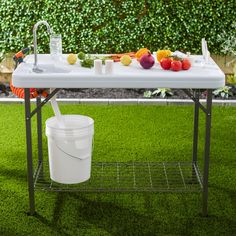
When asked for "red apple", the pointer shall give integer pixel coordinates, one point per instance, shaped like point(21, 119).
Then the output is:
point(176, 65)
point(166, 63)
point(186, 64)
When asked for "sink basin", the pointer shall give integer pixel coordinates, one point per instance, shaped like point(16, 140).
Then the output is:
point(50, 68)
point(51, 71)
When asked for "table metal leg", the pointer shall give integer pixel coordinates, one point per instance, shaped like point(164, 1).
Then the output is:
point(29, 152)
point(39, 131)
point(195, 130)
point(207, 152)
point(195, 134)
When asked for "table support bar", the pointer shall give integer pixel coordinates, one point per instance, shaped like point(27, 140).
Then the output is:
point(39, 131)
point(28, 116)
point(29, 152)
point(195, 130)
point(54, 92)
point(207, 152)
point(187, 92)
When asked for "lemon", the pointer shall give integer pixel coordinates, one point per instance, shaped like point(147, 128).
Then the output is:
point(125, 60)
point(72, 58)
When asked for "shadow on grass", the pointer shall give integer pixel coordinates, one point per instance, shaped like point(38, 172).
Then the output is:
point(54, 224)
point(18, 174)
point(5, 231)
point(107, 216)
point(77, 212)
point(230, 193)
point(118, 220)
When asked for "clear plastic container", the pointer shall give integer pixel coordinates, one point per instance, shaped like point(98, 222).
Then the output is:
point(56, 47)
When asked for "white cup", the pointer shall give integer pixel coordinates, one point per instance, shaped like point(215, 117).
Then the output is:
point(98, 66)
point(109, 66)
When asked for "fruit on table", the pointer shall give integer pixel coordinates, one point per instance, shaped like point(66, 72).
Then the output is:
point(162, 54)
point(125, 60)
point(166, 63)
point(81, 55)
point(117, 57)
point(176, 65)
point(71, 59)
point(186, 64)
point(147, 61)
point(141, 52)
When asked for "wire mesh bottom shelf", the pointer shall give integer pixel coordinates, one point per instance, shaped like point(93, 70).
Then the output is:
point(129, 177)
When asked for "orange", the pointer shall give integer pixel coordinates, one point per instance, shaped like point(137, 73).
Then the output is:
point(141, 52)
point(162, 54)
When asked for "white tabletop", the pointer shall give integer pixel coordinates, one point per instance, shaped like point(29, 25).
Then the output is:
point(208, 76)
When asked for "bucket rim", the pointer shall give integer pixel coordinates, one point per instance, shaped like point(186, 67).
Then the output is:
point(91, 123)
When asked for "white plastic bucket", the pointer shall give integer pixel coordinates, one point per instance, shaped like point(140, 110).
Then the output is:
point(70, 148)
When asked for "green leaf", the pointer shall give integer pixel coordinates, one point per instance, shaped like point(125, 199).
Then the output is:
point(147, 94)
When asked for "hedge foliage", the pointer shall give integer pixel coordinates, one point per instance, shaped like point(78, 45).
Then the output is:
point(105, 26)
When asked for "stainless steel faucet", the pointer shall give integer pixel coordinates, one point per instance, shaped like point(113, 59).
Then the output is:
point(36, 69)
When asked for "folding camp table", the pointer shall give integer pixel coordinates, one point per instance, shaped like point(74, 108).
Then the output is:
point(155, 177)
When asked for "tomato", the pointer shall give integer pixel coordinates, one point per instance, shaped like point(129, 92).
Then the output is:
point(186, 64)
point(176, 65)
point(166, 63)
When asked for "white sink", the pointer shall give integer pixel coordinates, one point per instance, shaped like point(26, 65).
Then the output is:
point(50, 69)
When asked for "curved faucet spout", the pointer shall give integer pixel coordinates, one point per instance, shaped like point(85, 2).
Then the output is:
point(44, 23)
point(35, 68)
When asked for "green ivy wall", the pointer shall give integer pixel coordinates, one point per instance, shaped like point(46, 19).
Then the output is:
point(105, 26)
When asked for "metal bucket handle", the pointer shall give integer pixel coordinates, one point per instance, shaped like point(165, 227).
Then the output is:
point(72, 155)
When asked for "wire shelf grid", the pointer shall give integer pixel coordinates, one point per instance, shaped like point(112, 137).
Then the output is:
point(129, 177)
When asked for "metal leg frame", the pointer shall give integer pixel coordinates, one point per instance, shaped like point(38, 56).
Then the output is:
point(29, 152)
point(195, 132)
point(193, 95)
point(207, 111)
point(207, 153)
point(28, 116)
point(39, 132)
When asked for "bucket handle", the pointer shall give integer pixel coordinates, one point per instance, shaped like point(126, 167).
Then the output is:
point(72, 155)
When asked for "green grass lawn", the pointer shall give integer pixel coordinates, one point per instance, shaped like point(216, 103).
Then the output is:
point(123, 133)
